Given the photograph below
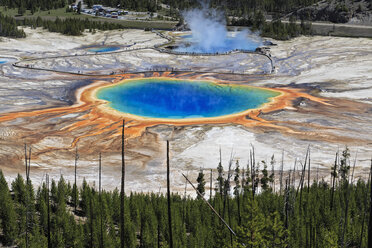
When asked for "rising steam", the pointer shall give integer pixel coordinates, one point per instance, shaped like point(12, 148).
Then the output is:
point(209, 33)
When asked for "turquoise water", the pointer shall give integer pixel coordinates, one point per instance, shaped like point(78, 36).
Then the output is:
point(3, 61)
point(103, 49)
point(197, 43)
point(182, 99)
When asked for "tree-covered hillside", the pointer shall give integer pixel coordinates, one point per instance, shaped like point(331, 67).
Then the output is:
point(9, 27)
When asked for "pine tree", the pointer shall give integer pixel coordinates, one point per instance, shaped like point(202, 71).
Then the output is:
point(201, 183)
point(344, 165)
point(275, 233)
point(237, 189)
point(265, 177)
point(251, 232)
point(7, 213)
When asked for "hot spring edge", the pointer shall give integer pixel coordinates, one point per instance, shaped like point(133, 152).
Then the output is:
point(176, 99)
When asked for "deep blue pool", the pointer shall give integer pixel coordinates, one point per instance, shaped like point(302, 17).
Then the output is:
point(103, 49)
point(182, 99)
point(3, 61)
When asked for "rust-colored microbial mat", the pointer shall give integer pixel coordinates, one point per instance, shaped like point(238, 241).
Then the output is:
point(95, 114)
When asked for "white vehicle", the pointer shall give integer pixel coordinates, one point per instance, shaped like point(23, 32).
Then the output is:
point(114, 14)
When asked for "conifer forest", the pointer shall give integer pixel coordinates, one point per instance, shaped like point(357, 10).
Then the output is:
point(250, 206)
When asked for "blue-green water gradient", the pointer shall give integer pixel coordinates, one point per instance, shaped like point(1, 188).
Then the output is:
point(103, 49)
point(182, 99)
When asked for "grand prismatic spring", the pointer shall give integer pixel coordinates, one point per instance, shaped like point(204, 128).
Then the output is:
point(182, 99)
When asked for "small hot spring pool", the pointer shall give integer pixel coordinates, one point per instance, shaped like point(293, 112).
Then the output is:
point(103, 49)
point(182, 99)
point(2, 61)
point(190, 43)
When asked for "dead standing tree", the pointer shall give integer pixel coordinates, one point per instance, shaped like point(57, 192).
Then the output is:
point(122, 192)
point(333, 176)
point(75, 184)
point(169, 201)
point(28, 166)
point(370, 214)
point(100, 199)
point(281, 173)
point(48, 205)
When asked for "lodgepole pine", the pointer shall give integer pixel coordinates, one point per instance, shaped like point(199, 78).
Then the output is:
point(333, 174)
point(122, 192)
point(169, 202)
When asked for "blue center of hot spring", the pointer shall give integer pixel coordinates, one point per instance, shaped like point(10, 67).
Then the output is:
point(182, 99)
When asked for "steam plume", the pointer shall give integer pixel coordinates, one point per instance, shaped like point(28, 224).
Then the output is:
point(209, 33)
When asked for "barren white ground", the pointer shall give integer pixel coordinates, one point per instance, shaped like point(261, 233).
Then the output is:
point(335, 68)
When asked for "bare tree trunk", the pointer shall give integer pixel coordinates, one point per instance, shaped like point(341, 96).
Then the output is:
point(352, 175)
point(370, 214)
point(122, 191)
point(286, 204)
point(184, 205)
point(210, 186)
point(100, 200)
point(273, 173)
point(294, 174)
point(253, 171)
point(239, 214)
point(308, 173)
point(75, 193)
point(169, 201)
point(226, 188)
point(281, 173)
point(302, 179)
point(28, 162)
point(48, 205)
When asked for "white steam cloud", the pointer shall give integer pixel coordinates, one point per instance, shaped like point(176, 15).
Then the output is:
point(210, 35)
